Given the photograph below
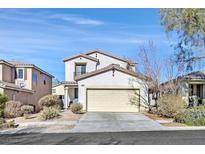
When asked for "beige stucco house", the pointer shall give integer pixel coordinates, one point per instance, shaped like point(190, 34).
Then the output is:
point(191, 85)
point(24, 82)
point(103, 82)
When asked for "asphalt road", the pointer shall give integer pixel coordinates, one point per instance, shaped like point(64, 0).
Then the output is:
point(195, 137)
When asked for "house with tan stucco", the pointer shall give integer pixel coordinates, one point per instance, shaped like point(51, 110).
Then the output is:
point(24, 82)
point(103, 82)
point(190, 86)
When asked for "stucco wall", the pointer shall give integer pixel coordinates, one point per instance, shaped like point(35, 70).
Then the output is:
point(70, 67)
point(106, 80)
point(184, 91)
point(28, 80)
point(24, 97)
point(40, 88)
point(1, 90)
point(6, 73)
point(1, 72)
point(59, 90)
point(106, 60)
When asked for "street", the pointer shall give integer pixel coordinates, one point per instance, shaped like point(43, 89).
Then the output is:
point(188, 137)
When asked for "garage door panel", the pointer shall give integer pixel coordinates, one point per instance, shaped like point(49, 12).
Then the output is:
point(112, 100)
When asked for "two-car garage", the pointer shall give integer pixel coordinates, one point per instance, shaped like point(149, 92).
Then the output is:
point(113, 100)
point(112, 89)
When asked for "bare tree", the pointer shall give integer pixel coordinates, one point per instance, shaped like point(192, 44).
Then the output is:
point(152, 66)
point(159, 70)
point(173, 76)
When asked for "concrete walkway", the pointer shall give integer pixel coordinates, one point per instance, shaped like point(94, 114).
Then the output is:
point(115, 122)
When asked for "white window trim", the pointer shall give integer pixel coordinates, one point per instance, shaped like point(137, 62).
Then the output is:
point(18, 73)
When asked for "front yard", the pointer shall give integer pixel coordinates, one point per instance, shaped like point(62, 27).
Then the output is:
point(168, 122)
point(61, 124)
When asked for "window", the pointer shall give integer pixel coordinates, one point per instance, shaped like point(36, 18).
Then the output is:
point(44, 79)
point(80, 69)
point(20, 73)
point(34, 77)
point(76, 92)
point(53, 91)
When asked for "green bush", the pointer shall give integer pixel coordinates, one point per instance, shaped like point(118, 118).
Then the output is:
point(3, 100)
point(2, 121)
point(48, 113)
point(200, 107)
point(170, 105)
point(192, 117)
point(76, 108)
point(48, 101)
point(13, 109)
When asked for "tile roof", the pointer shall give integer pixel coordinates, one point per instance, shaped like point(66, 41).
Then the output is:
point(13, 86)
point(66, 83)
point(195, 75)
point(80, 55)
point(108, 68)
point(27, 65)
point(110, 55)
point(5, 62)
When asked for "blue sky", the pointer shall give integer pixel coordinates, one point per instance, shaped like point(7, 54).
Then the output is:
point(45, 36)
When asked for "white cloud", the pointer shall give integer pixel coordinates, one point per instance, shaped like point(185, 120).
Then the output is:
point(78, 20)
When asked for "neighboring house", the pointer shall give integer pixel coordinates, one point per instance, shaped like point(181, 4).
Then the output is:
point(103, 82)
point(58, 90)
point(192, 85)
point(24, 82)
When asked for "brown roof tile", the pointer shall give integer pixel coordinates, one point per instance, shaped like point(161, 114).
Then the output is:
point(27, 65)
point(109, 55)
point(108, 68)
point(80, 55)
point(13, 86)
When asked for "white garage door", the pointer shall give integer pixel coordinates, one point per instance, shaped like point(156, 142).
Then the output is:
point(113, 100)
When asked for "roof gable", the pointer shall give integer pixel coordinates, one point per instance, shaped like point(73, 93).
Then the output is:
point(18, 64)
point(80, 55)
point(108, 68)
point(109, 55)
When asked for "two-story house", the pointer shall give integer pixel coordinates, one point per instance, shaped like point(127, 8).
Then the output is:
point(23, 82)
point(103, 82)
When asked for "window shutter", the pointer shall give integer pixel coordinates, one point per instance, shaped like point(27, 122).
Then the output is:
point(25, 73)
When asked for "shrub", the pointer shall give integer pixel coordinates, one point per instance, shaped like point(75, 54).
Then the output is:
point(2, 121)
point(170, 105)
point(48, 101)
point(3, 100)
point(200, 107)
point(11, 124)
point(76, 108)
point(27, 109)
point(192, 117)
point(13, 109)
point(48, 113)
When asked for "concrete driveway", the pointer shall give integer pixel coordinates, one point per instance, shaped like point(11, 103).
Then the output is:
point(115, 122)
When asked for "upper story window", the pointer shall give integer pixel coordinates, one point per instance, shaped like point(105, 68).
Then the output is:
point(44, 79)
point(34, 77)
point(80, 68)
point(20, 73)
